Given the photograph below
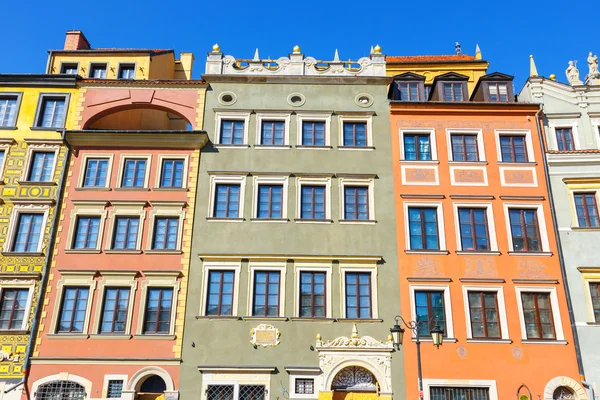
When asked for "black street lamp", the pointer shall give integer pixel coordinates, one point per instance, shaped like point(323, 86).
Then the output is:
point(437, 335)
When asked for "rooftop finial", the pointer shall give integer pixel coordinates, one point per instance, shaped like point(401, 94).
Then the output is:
point(296, 49)
point(532, 69)
point(377, 49)
point(477, 52)
point(371, 50)
point(336, 56)
point(256, 56)
point(457, 48)
point(216, 48)
point(354, 332)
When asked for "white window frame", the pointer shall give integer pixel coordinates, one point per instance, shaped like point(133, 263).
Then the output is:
point(558, 328)
point(172, 209)
point(86, 208)
point(466, 383)
point(125, 209)
point(227, 180)
point(19, 209)
point(464, 131)
point(259, 180)
point(588, 294)
point(317, 384)
point(317, 117)
point(300, 267)
point(369, 183)
point(209, 266)
point(273, 117)
point(236, 380)
point(490, 222)
point(180, 157)
point(572, 191)
point(113, 377)
point(112, 279)
point(539, 207)
point(123, 158)
point(367, 119)
point(73, 278)
point(39, 148)
point(313, 181)
point(228, 116)
point(20, 284)
point(160, 279)
point(440, 222)
point(498, 133)
point(371, 269)
point(65, 64)
point(267, 266)
point(501, 311)
point(83, 169)
point(447, 307)
point(417, 131)
point(554, 124)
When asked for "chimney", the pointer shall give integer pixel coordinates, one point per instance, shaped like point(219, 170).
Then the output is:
point(76, 40)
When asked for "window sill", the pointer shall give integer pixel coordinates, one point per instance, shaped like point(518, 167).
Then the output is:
point(552, 342)
point(110, 336)
point(132, 189)
point(82, 251)
point(284, 220)
point(358, 221)
point(157, 251)
point(360, 320)
point(482, 340)
point(21, 254)
point(8, 128)
point(168, 189)
point(68, 336)
point(219, 317)
point(155, 337)
point(231, 146)
point(593, 323)
point(94, 189)
point(424, 162)
point(578, 228)
point(307, 319)
point(14, 332)
point(467, 162)
point(367, 148)
point(251, 318)
point(477, 253)
point(273, 147)
point(44, 128)
point(122, 251)
point(314, 147)
point(511, 163)
point(435, 252)
point(530, 253)
point(214, 219)
point(313, 221)
point(429, 339)
point(33, 183)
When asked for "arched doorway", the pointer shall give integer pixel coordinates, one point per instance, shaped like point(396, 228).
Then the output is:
point(354, 383)
point(152, 388)
point(563, 393)
point(59, 390)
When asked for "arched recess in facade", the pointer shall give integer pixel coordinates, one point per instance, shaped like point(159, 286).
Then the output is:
point(139, 377)
point(554, 385)
point(64, 384)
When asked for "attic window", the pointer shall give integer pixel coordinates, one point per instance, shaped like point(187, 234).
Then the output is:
point(409, 91)
point(498, 91)
point(453, 91)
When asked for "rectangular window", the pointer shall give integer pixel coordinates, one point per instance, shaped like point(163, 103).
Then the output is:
point(409, 91)
point(98, 71)
point(172, 174)
point(42, 164)
point(227, 201)
point(564, 139)
point(513, 148)
point(220, 392)
point(464, 148)
point(423, 228)
point(483, 308)
point(595, 294)
point(427, 91)
point(453, 91)
point(498, 91)
point(73, 310)
point(313, 133)
point(312, 294)
point(459, 393)
point(430, 304)
point(27, 236)
point(114, 389)
point(252, 392)
point(355, 134)
point(474, 234)
point(126, 233)
point(166, 230)
point(157, 318)
point(232, 132)
point(127, 71)
point(114, 310)
point(266, 294)
point(86, 233)
point(220, 293)
point(272, 133)
point(8, 110)
point(52, 112)
point(96, 170)
point(312, 202)
point(70, 69)
point(12, 308)
point(356, 203)
point(304, 386)
point(524, 229)
point(358, 295)
point(270, 201)
point(134, 173)
point(587, 210)
point(537, 312)
point(417, 147)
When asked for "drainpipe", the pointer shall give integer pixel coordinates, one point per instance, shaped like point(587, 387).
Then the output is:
point(50, 249)
point(561, 259)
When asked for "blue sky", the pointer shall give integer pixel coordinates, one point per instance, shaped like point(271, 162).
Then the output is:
point(507, 31)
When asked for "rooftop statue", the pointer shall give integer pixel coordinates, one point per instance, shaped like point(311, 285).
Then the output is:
point(593, 77)
point(573, 74)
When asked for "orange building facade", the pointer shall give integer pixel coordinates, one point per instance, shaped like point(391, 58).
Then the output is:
point(477, 248)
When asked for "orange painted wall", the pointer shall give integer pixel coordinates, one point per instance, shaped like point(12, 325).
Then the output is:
point(509, 364)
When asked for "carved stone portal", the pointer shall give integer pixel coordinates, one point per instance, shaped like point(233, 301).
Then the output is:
point(357, 378)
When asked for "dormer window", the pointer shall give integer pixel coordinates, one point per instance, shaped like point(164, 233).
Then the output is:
point(495, 87)
point(70, 69)
point(453, 91)
point(497, 91)
point(127, 71)
point(407, 87)
point(409, 91)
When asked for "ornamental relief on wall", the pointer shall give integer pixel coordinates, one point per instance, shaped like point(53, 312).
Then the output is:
point(480, 268)
point(449, 123)
point(426, 267)
point(532, 269)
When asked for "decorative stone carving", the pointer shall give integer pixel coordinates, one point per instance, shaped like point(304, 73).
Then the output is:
point(265, 335)
point(531, 269)
point(354, 378)
point(576, 389)
point(517, 352)
point(420, 175)
point(353, 341)
point(462, 352)
point(427, 267)
point(468, 176)
point(480, 268)
point(573, 74)
point(593, 77)
point(518, 177)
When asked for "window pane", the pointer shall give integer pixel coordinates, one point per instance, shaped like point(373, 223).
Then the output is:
point(232, 132)
point(524, 230)
point(220, 293)
point(52, 112)
point(358, 295)
point(430, 304)
point(312, 294)
point(356, 203)
point(27, 235)
point(95, 172)
point(564, 139)
point(114, 310)
point(73, 310)
point(41, 166)
point(126, 233)
point(272, 133)
point(227, 199)
point(157, 318)
point(355, 134)
point(172, 174)
point(313, 133)
point(473, 229)
point(312, 202)
point(537, 312)
point(134, 173)
point(165, 233)
point(423, 229)
point(270, 201)
point(8, 111)
point(266, 294)
point(86, 233)
point(12, 308)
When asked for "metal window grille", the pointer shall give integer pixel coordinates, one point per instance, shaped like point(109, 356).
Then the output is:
point(60, 390)
point(459, 393)
point(219, 392)
point(115, 387)
point(251, 392)
point(305, 386)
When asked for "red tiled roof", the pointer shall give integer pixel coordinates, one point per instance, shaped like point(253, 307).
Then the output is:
point(573, 151)
point(144, 82)
point(440, 58)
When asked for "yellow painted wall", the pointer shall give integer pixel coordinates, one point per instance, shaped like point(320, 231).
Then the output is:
point(15, 164)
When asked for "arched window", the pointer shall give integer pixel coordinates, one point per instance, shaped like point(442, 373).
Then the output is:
point(563, 393)
point(354, 378)
point(60, 390)
point(153, 384)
